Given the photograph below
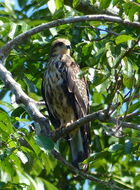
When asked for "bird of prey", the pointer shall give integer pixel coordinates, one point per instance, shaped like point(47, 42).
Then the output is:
point(66, 97)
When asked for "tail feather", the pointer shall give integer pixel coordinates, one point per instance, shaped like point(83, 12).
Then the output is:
point(79, 147)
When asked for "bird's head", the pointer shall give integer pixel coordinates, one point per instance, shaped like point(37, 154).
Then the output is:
point(60, 46)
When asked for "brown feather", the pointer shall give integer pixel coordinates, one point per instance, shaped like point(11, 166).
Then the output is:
point(66, 97)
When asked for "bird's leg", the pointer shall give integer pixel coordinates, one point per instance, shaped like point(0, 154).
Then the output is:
point(59, 131)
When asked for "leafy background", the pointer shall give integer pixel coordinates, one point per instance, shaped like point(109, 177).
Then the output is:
point(25, 159)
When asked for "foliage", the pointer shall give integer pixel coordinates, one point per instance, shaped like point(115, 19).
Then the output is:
point(110, 60)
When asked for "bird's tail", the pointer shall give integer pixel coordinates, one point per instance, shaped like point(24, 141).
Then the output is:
point(79, 146)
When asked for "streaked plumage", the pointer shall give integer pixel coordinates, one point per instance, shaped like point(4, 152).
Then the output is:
point(66, 97)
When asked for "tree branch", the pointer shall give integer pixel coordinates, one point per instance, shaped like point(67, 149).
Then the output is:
point(31, 106)
point(124, 124)
point(131, 115)
point(110, 184)
point(5, 50)
point(99, 29)
point(113, 107)
point(21, 97)
point(101, 116)
point(125, 53)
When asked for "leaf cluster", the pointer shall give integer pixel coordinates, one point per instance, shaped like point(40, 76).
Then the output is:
point(108, 54)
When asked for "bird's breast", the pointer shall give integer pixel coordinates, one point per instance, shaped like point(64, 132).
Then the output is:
point(58, 105)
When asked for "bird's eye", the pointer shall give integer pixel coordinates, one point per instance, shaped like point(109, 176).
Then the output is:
point(60, 44)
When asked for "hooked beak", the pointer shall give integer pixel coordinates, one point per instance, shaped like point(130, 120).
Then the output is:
point(68, 47)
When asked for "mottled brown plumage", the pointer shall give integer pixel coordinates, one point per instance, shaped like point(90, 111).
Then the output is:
point(66, 97)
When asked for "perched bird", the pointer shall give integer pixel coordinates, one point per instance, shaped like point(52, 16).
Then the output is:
point(66, 97)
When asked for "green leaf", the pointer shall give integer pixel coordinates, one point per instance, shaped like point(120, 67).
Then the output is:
point(25, 27)
point(131, 8)
point(34, 96)
point(52, 6)
point(22, 3)
point(22, 120)
point(104, 3)
point(97, 155)
point(127, 81)
point(22, 157)
point(44, 142)
point(115, 2)
point(49, 186)
point(134, 107)
point(53, 31)
point(137, 180)
point(18, 112)
point(37, 167)
point(23, 164)
point(48, 162)
point(97, 77)
point(98, 98)
point(13, 30)
point(75, 3)
point(115, 147)
point(128, 146)
point(33, 144)
point(9, 5)
point(59, 3)
point(86, 50)
point(123, 38)
point(132, 11)
point(92, 1)
point(1, 43)
point(2, 184)
point(3, 13)
point(5, 123)
point(6, 104)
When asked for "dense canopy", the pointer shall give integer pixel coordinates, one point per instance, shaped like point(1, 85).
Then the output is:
point(106, 45)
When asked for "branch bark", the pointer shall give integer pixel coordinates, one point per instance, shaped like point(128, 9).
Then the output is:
point(37, 116)
point(110, 184)
point(21, 97)
point(5, 50)
point(101, 116)
point(31, 105)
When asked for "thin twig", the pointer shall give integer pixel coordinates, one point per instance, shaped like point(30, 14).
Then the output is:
point(99, 29)
point(22, 97)
point(5, 50)
point(127, 107)
point(128, 116)
point(101, 116)
point(113, 90)
point(99, 39)
point(114, 107)
point(29, 103)
point(125, 53)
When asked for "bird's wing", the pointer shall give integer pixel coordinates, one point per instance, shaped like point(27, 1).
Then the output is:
point(48, 99)
point(75, 85)
point(78, 94)
point(75, 90)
